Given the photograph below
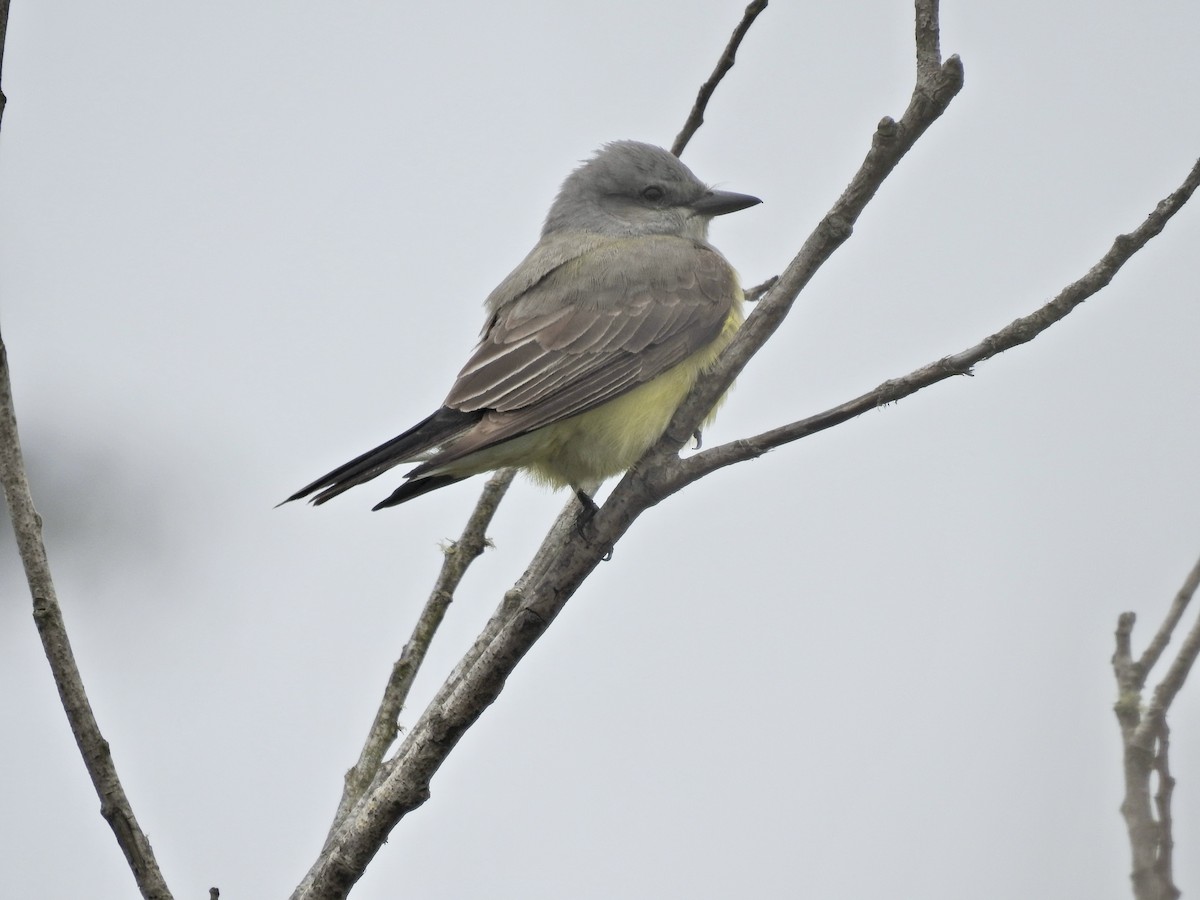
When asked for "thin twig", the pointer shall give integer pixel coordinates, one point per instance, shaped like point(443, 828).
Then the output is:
point(1163, 636)
point(97, 757)
point(1177, 673)
point(696, 117)
point(756, 293)
point(27, 528)
point(892, 140)
point(385, 728)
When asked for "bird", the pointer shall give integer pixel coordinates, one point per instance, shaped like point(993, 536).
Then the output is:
point(590, 344)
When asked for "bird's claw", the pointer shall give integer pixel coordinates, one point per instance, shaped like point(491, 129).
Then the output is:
point(587, 512)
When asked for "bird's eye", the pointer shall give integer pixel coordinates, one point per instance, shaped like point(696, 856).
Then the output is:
point(653, 193)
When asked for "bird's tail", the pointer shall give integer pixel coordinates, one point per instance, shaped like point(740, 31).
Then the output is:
point(421, 438)
point(416, 487)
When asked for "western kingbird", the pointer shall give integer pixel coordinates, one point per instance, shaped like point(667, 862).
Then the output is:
point(590, 344)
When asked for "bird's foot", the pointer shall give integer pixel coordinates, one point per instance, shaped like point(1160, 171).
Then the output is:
point(583, 520)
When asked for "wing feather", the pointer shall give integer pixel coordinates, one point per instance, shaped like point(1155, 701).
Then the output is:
point(595, 328)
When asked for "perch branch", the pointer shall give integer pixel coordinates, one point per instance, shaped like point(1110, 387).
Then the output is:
point(457, 558)
point(568, 555)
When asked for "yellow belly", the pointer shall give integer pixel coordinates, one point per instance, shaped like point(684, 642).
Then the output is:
point(610, 438)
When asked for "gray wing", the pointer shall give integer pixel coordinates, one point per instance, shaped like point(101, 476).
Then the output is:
point(595, 328)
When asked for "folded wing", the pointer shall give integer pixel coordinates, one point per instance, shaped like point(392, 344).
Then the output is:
point(590, 331)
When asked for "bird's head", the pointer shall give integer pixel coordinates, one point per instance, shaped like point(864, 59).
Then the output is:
point(630, 188)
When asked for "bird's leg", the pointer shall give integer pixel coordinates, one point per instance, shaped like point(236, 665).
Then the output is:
point(587, 512)
point(588, 507)
point(698, 435)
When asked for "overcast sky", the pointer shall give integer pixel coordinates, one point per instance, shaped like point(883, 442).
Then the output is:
point(243, 242)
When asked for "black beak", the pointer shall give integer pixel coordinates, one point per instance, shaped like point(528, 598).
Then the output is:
point(718, 203)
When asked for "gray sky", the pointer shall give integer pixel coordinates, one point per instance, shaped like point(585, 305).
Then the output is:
point(240, 243)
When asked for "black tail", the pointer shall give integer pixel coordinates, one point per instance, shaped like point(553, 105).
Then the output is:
point(422, 437)
point(416, 488)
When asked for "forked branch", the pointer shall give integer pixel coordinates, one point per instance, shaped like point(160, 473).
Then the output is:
point(457, 558)
point(1145, 739)
point(568, 557)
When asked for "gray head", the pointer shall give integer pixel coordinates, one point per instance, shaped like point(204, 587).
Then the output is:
point(630, 188)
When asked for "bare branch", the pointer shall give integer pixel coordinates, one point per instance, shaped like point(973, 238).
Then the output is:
point(928, 39)
point(572, 551)
point(524, 613)
point(458, 557)
point(1149, 838)
point(1129, 677)
point(1164, 866)
point(756, 293)
point(97, 757)
point(1137, 761)
point(1018, 332)
point(892, 140)
point(1169, 687)
point(27, 528)
point(1145, 739)
point(546, 556)
point(694, 121)
point(696, 117)
point(1163, 637)
point(568, 556)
